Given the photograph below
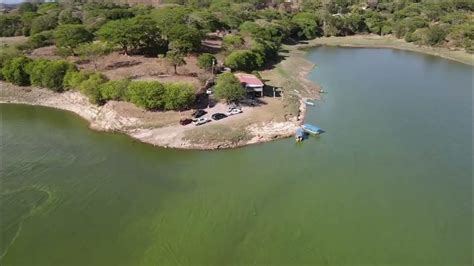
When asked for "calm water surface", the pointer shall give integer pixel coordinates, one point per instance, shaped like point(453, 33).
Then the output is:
point(389, 183)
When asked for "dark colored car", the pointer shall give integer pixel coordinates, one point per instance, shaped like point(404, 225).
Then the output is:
point(199, 113)
point(218, 116)
point(185, 121)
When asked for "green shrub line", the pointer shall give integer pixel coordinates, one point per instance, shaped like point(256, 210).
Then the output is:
point(60, 75)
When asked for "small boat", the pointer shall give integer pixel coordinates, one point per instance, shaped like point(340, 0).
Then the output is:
point(308, 102)
point(312, 129)
point(299, 135)
point(322, 91)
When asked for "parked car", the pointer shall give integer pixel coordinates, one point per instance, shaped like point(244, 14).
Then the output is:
point(199, 113)
point(201, 121)
point(185, 121)
point(233, 106)
point(234, 112)
point(210, 91)
point(218, 116)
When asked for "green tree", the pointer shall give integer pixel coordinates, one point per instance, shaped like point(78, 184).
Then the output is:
point(244, 60)
point(139, 33)
point(308, 24)
point(92, 51)
point(185, 38)
point(231, 42)
point(15, 71)
point(67, 16)
point(146, 94)
point(27, 7)
point(10, 25)
point(45, 22)
point(70, 36)
point(206, 61)
point(229, 88)
point(175, 58)
point(118, 32)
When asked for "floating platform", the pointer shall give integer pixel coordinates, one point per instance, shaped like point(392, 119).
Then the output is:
point(312, 129)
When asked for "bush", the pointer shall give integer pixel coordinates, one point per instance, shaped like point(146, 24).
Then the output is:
point(114, 90)
point(53, 75)
point(178, 96)
point(146, 94)
point(244, 60)
point(91, 88)
point(49, 74)
point(44, 23)
point(15, 71)
point(35, 70)
point(73, 79)
point(229, 88)
point(231, 42)
point(41, 39)
point(206, 61)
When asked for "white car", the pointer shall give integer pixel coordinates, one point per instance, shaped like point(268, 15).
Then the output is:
point(201, 121)
point(209, 91)
point(234, 112)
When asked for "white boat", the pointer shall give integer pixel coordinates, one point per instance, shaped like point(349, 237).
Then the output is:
point(308, 102)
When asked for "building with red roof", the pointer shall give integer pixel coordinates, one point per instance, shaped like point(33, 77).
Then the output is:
point(250, 82)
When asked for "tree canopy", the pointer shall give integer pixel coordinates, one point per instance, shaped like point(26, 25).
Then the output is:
point(229, 88)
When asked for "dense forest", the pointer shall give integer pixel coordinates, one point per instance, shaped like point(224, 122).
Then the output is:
point(252, 31)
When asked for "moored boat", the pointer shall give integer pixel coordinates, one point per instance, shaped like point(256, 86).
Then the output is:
point(299, 135)
point(309, 102)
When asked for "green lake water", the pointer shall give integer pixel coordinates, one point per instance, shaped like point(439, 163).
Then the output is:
point(389, 183)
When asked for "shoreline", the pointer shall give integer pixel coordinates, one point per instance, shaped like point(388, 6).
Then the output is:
point(109, 118)
point(291, 75)
point(390, 42)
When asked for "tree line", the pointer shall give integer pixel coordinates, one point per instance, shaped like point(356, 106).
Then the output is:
point(60, 75)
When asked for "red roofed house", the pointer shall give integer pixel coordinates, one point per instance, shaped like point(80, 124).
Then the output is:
point(250, 82)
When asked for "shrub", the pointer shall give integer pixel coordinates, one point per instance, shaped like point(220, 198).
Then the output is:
point(41, 39)
point(91, 88)
point(146, 94)
point(49, 74)
point(73, 79)
point(15, 71)
point(178, 96)
point(44, 23)
point(114, 89)
point(35, 70)
point(206, 61)
point(231, 42)
point(53, 75)
point(229, 88)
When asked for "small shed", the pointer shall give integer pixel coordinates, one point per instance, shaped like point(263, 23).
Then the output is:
point(250, 82)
